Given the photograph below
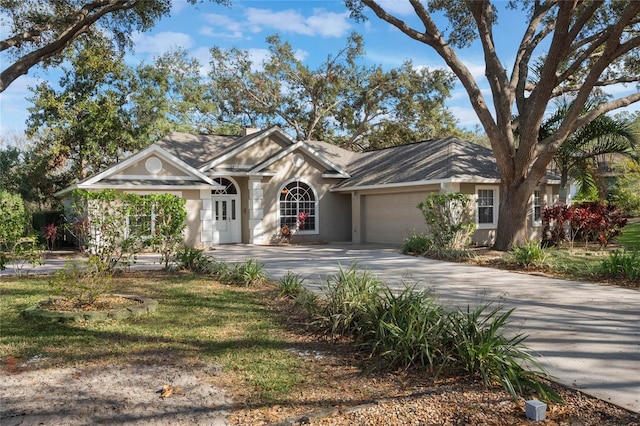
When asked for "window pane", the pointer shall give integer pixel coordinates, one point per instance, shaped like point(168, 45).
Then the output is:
point(537, 212)
point(485, 206)
point(295, 198)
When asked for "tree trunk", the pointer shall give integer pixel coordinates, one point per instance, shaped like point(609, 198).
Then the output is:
point(512, 216)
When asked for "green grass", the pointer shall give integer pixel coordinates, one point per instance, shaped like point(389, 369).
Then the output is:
point(196, 320)
point(630, 236)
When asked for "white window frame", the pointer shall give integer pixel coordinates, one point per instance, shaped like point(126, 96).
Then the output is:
point(151, 214)
point(496, 206)
point(536, 222)
point(316, 207)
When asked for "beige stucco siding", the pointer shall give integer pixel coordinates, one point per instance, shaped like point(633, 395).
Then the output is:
point(139, 169)
point(256, 153)
point(333, 211)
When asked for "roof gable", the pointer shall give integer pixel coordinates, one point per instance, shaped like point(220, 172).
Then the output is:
point(333, 170)
point(113, 175)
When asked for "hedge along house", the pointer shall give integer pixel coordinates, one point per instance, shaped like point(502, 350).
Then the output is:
point(243, 189)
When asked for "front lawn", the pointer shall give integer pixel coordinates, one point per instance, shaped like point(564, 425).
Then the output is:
point(197, 319)
point(273, 368)
point(630, 237)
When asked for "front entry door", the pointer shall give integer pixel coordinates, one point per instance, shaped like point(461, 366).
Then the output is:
point(226, 219)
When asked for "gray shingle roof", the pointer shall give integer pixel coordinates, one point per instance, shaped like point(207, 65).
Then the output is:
point(196, 150)
point(448, 158)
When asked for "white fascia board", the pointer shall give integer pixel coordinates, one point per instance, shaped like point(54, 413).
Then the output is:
point(311, 152)
point(99, 186)
point(258, 137)
point(223, 174)
point(153, 177)
point(66, 190)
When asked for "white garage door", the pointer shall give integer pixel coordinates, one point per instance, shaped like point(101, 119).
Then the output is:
point(390, 218)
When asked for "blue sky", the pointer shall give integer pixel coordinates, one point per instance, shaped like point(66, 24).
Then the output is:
point(315, 29)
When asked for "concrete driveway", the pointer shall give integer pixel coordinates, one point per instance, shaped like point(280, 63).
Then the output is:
point(585, 335)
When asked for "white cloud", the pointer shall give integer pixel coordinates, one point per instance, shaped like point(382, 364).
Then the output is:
point(396, 7)
point(160, 43)
point(466, 116)
point(321, 23)
point(177, 6)
point(222, 26)
point(203, 56)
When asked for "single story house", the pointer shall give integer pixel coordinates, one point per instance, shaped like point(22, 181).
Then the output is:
point(243, 189)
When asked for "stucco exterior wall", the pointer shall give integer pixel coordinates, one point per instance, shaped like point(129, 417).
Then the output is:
point(139, 169)
point(333, 209)
point(256, 153)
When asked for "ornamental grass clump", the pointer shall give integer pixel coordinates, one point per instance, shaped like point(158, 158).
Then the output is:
point(348, 297)
point(248, 273)
point(404, 330)
point(409, 329)
point(290, 285)
point(476, 343)
point(621, 263)
point(530, 255)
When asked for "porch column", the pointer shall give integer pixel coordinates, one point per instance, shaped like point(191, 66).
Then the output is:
point(206, 218)
point(256, 210)
point(356, 219)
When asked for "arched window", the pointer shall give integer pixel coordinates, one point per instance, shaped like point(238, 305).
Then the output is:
point(229, 187)
point(298, 201)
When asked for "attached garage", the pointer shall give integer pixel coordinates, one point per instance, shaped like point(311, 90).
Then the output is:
point(390, 218)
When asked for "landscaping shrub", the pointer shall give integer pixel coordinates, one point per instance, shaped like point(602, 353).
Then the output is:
point(12, 220)
point(596, 221)
point(530, 255)
point(169, 215)
point(24, 252)
point(190, 258)
point(307, 300)
point(25, 255)
point(349, 295)
point(102, 221)
point(587, 221)
point(404, 330)
point(83, 282)
point(117, 226)
point(290, 285)
point(625, 264)
point(477, 344)
point(416, 244)
point(250, 272)
point(411, 330)
point(450, 218)
point(41, 220)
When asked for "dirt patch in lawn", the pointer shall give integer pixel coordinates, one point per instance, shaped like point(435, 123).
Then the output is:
point(35, 393)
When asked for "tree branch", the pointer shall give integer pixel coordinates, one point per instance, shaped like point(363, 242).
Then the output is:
point(82, 21)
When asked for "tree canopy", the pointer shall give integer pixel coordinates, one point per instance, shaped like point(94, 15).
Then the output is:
point(573, 48)
point(39, 31)
point(341, 101)
point(84, 126)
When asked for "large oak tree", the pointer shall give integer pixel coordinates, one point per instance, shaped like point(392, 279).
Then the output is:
point(341, 101)
point(40, 30)
point(575, 47)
